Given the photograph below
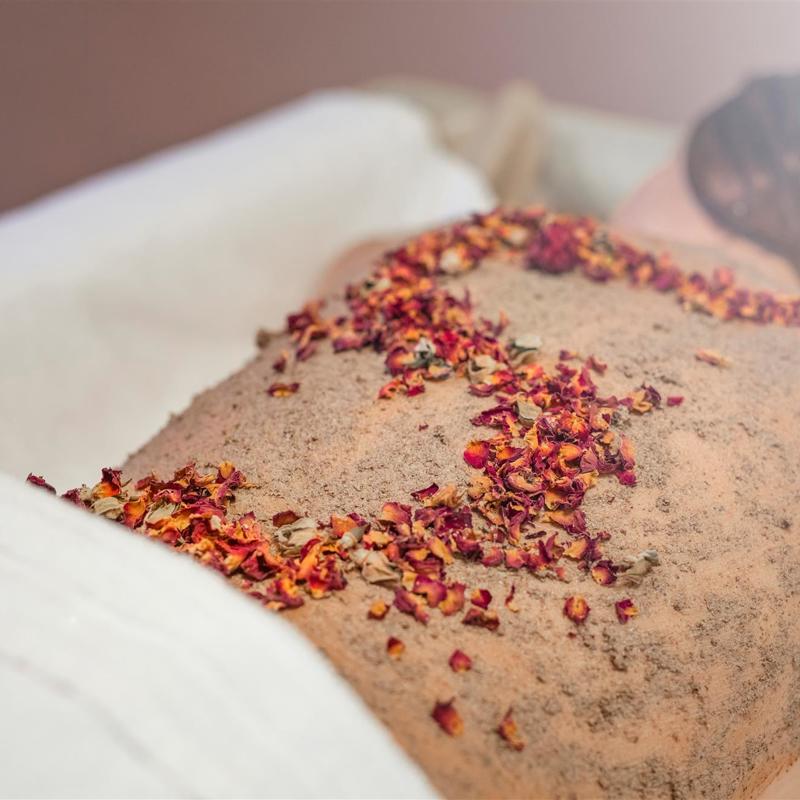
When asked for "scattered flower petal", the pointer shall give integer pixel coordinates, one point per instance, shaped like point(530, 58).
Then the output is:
point(625, 610)
point(577, 609)
point(448, 718)
point(509, 732)
point(481, 619)
point(481, 598)
point(378, 610)
point(713, 358)
point(460, 661)
point(394, 647)
point(282, 389)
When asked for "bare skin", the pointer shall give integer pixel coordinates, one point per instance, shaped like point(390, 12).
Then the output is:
point(696, 697)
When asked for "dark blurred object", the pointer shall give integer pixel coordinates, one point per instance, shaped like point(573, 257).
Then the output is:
point(744, 164)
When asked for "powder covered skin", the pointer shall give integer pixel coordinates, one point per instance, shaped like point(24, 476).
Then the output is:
point(490, 474)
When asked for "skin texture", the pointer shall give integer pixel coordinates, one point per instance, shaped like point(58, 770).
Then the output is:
point(697, 696)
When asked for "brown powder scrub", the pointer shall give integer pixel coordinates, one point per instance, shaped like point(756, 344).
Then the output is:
point(694, 695)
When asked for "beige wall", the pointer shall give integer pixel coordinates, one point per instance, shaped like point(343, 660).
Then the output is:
point(86, 85)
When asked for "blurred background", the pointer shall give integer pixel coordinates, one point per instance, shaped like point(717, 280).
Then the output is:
point(91, 84)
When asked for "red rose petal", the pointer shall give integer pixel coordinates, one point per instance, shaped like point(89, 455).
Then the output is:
point(625, 610)
point(394, 647)
point(448, 718)
point(460, 661)
point(378, 610)
point(477, 454)
point(481, 598)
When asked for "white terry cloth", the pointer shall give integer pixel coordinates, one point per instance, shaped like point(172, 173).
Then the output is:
point(122, 297)
point(128, 671)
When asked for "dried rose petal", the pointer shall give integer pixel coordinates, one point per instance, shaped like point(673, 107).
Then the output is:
point(440, 550)
point(110, 486)
point(448, 718)
point(279, 364)
point(625, 610)
point(285, 518)
point(509, 601)
point(395, 513)
point(454, 601)
point(282, 389)
point(477, 454)
point(378, 610)
point(133, 512)
point(603, 573)
point(459, 661)
point(507, 729)
point(577, 609)
point(481, 619)
point(411, 604)
point(493, 557)
point(674, 400)
point(422, 494)
point(394, 647)
point(577, 549)
point(515, 558)
point(38, 480)
point(434, 591)
point(713, 358)
point(481, 598)
point(595, 364)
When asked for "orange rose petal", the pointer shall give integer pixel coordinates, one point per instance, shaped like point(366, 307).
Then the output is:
point(603, 573)
point(284, 518)
point(411, 604)
point(577, 548)
point(378, 610)
point(515, 558)
point(133, 512)
point(625, 610)
point(282, 389)
point(448, 718)
point(394, 647)
point(508, 731)
point(440, 550)
point(576, 608)
point(454, 599)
